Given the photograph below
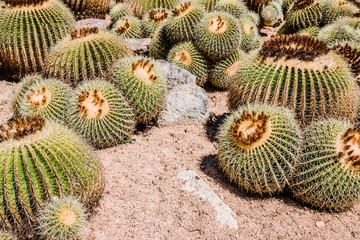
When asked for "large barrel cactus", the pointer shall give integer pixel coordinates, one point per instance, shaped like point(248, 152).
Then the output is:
point(141, 7)
point(85, 55)
point(89, 8)
point(28, 29)
point(298, 72)
point(38, 161)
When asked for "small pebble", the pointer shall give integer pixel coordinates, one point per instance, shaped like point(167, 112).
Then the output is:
point(320, 224)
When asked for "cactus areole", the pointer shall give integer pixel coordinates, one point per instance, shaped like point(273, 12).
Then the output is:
point(24, 2)
point(144, 71)
point(348, 150)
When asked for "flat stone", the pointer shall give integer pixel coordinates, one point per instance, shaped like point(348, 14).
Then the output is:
point(139, 46)
point(320, 224)
point(195, 185)
point(185, 104)
point(176, 76)
point(101, 24)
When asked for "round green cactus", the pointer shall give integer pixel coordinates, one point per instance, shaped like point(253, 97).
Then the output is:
point(258, 148)
point(152, 20)
point(128, 27)
point(235, 7)
point(100, 113)
point(310, 31)
point(86, 54)
point(271, 14)
point(62, 219)
point(218, 35)
point(328, 173)
point(298, 72)
point(182, 22)
point(209, 5)
point(120, 10)
point(142, 82)
point(223, 71)
point(254, 17)
point(89, 8)
point(41, 160)
point(335, 33)
point(251, 38)
point(23, 43)
point(141, 7)
point(303, 14)
point(22, 87)
point(48, 98)
point(186, 56)
point(335, 9)
point(159, 45)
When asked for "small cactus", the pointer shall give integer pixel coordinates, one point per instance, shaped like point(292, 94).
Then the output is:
point(335, 33)
point(62, 219)
point(251, 38)
point(328, 173)
point(24, 44)
point(218, 35)
point(258, 148)
point(89, 8)
point(152, 20)
point(86, 54)
point(120, 10)
point(271, 14)
point(186, 56)
point(100, 113)
point(237, 8)
point(159, 45)
point(128, 27)
point(335, 9)
point(143, 84)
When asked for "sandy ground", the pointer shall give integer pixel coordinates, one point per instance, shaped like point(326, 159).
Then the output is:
point(143, 198)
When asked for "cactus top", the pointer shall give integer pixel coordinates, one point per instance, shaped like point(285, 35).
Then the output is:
point(24, 2)
point(217, 25)
point(352, 55)
point(296, 50)
point(348, 149)
point(183, 56)
point(20, 128)
point(251, 129)
point(39, 98)
point(182, 10)
point(157, 15)
point(83, 32)
point(303, 4)
point(93, 105)
point(144, 71)
point(123, 27)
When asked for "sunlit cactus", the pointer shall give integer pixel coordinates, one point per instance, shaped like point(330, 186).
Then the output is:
point(89, 8)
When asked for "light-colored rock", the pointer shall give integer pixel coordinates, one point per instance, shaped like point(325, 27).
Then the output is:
point(139, 45)
point(176, 76)
point(101, 24)
point(6, 91)
point(198, 187)
point(320, 224)
point(185, 104)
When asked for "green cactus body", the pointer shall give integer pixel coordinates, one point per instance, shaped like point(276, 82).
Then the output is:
point(237, 8)
point(328, 173)
point(159, 45)
point(335, 9)
point(27, 32)
point(251, 38)
point(335, 33)
point(48, 98)
point(186, 56)
point(19, 92)
point(182, 22)
point(310, 31)
point(100, 113)
point(209, 5)
point(258, 148)
point(223, 71)
point(128, 27)
point(152, 20)
point(120, 10)
point(38, 162)
point(353, 22)
point(143, 6)
point(62, 219)
point(143, 84)
point(253, 17)
point(86, 54)
point(271, 14)
point(287, 4)
point(298, 72)
point(218, 35)
point(303, 14)
point(89, 8)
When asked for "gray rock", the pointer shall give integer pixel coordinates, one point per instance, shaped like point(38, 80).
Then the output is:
point(185, 104)
point(139, 46)
point(6, 91)
point(101, 24)
point(176, 76)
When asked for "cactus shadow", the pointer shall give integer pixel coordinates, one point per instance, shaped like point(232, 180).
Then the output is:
point(212, 126)
point(209, 166)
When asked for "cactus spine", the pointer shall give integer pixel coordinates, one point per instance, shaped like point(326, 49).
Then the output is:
point(186, 56)
point(159, 46)
point(335, 33)
point(120, 10)
point(335, 9)
point(89, 8)
point(40, 160)
point(101, 114)
point(328, 176)
point(86, 54)
point(258, 148)
point(234, 7)
point(128, 27)
point(24, 44)
point(152, 20)
point(143, 6)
